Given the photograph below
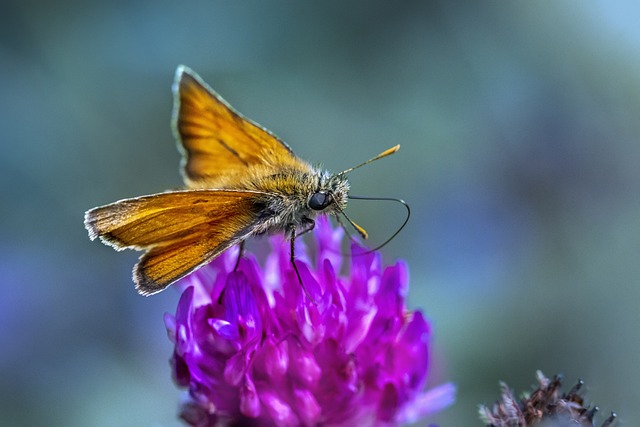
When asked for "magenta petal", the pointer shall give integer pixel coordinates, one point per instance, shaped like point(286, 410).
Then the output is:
point(307, 406)
point(224, 328)
point(358, 328)
point(281, 413)
point(411, 352)
point(417, 331)
point(389, 402)
point(183, 339)
point(184, 310)
point(393, 290)
point(304, 366)
point(328, 242)
point(240, 306)
point(170, 324)
point(235, 369)
point(275, 359)
point(310, 283)
point(429, 402)
point(180, 370)
point(365, 268)
point(249, 401)
point(310, 323)
point(331, 288)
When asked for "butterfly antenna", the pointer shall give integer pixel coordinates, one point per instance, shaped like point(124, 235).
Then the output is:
point(361, 231)
point(346, 230)
point(385, 153)
point(386, 199)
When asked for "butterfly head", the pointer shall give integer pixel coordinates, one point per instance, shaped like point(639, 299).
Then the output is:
point(332, 190)
point(330, 193)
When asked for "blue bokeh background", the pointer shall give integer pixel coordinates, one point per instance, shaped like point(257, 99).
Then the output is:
point(520, 158)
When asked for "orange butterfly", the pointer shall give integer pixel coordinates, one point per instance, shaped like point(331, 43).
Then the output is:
point(241, 181)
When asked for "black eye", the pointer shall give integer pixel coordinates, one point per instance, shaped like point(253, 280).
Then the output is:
point(319, 201)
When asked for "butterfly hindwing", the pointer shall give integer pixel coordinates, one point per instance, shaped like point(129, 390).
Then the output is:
point(164, 264)
point(179, 231)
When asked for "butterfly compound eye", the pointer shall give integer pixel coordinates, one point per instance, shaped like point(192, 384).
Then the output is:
point(319, 201)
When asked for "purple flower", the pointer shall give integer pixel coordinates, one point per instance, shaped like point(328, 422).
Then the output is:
point(253, 349)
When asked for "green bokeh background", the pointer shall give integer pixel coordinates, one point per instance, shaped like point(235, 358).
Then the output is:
point(519, 124)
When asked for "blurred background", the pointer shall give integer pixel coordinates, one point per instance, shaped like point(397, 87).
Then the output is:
point(520, 159)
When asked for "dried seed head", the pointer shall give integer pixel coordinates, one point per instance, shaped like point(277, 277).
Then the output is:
point(546, 406)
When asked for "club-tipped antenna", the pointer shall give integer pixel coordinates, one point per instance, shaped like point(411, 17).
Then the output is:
point(385, 153)
point(387, 199)
point(361, 231)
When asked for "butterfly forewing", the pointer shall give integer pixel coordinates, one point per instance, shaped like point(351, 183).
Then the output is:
point(217, 142)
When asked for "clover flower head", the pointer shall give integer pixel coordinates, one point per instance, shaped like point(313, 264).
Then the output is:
point(253, 349)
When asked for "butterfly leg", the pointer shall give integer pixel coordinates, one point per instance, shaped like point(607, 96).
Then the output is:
point(292, 238)
point(308, 225)
point(240, 252)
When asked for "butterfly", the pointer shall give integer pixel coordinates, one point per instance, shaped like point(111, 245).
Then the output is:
point(241, 181)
